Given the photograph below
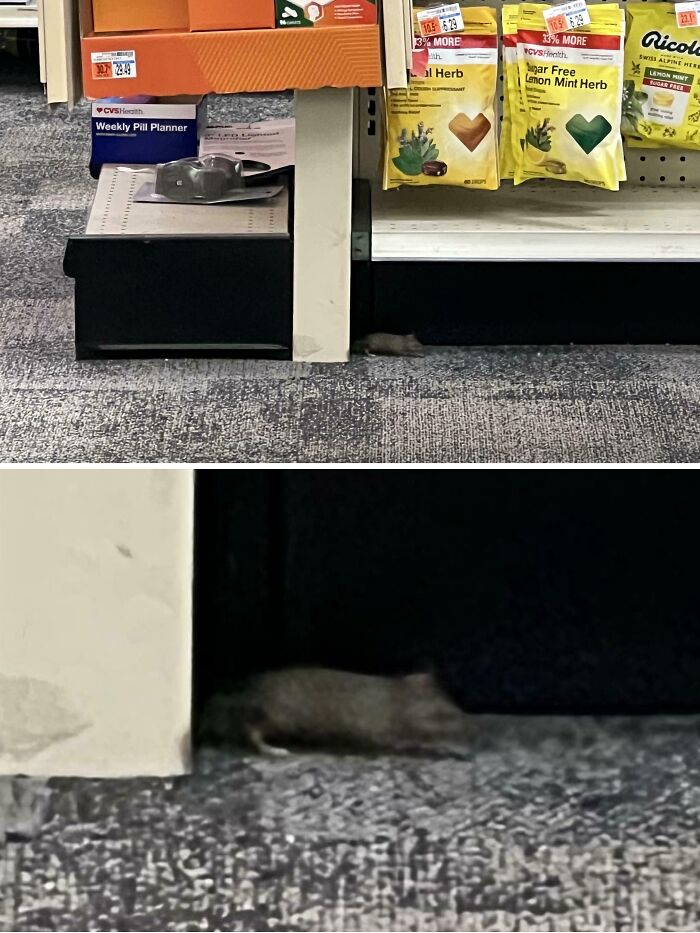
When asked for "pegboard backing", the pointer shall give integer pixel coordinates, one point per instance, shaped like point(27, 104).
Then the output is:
point(645, 167)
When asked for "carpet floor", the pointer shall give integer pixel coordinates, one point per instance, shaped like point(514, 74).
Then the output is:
point(546, 825)
point(574, 404)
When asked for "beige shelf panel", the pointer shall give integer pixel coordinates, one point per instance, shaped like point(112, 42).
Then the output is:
point(534, 221)
point(19, 16)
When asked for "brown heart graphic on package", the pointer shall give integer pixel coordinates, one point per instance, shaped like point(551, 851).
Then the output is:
point(469, 132)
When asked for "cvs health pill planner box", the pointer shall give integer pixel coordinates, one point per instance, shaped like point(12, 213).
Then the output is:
point(136, 133)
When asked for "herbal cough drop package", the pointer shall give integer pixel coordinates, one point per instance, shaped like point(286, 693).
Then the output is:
point(661, 95)
point(568, 124)
point(441, 130)
point(511, 96)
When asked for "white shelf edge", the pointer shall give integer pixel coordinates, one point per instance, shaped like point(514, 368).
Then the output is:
point(19, 17)
point(391, 246)
point(525, 225)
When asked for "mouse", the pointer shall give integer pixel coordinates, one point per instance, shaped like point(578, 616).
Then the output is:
point(390, 345)
point(307, 706)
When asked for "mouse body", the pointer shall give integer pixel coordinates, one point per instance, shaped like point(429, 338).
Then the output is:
point(325, 707)
point(391, 345)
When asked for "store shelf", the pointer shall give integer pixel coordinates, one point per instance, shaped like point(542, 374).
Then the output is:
point(19, 17)
point(536, 222)
point(114, 212)
point(175, 279)
point(170, 63)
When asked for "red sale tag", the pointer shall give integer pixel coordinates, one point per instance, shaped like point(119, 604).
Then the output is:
point(557, 24)
point(420, 60)
point(430, 27)
point(102, 69)
point(687, 14)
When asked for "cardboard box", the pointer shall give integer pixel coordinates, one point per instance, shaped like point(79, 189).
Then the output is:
point(231, 14)
point(225, 62)
point(195, 15)
point(325, 13)
point(147, 131)
point(237, 61)
point(138, 15)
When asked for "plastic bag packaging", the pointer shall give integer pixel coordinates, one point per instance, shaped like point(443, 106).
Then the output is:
point(661, 92)
point(209, 179)
point(511, 90)
point(441, 130)
point(567, 126)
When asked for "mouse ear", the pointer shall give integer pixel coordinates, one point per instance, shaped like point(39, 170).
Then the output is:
point(420, 681)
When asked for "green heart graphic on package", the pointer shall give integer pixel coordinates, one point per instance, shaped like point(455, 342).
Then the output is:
point(588, 133)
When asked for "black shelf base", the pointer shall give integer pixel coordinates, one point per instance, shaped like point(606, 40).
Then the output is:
point(181, 296)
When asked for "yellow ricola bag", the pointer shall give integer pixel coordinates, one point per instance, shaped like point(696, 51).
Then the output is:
point(571, 94)
point(661, 94)
point(509, 19)
point(441, 130)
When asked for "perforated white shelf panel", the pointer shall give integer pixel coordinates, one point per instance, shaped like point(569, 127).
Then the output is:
point(655, 215)
point(537, 221)
point(114, 212)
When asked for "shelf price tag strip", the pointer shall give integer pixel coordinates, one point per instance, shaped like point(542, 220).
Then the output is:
point(440, 20)
point(566, 16)
point(113, 64)
point(687, 14)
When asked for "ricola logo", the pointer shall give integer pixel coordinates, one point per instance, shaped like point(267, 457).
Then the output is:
point(667, 44)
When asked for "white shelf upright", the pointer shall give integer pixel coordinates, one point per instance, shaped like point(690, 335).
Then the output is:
point(59, 43)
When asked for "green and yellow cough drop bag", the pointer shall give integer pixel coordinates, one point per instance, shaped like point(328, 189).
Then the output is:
point(511, 91)
point(661, 94)
point(568, 125)
point(441, 130)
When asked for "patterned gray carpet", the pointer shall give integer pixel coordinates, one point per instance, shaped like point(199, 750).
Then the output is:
point(541, 825)
point(572, 404)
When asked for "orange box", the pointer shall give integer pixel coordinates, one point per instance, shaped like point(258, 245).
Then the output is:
point(137, 15)
point(231, 14)
point(196, 15)
point(164, 64)
point(324, 13)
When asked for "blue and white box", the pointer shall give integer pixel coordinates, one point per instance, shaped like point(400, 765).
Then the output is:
point(146, 131)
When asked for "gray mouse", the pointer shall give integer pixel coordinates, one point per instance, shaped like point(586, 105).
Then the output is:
point(323, 707)
point(390, 345)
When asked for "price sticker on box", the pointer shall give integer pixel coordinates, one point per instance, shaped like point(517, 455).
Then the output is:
point(113, 64)
point(440, 20)
point(687, 14)
point(566, 16)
